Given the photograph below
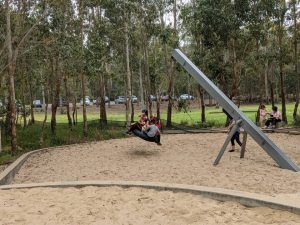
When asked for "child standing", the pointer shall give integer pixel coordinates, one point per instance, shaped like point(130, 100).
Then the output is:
point(262, 115)
point(236, 135)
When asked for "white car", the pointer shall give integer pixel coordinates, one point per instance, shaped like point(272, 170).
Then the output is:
point(87, 101)
point(134, 99)
point(186, 97)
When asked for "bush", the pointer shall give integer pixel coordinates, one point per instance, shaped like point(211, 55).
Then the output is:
point(182, 104)
point(297, 121)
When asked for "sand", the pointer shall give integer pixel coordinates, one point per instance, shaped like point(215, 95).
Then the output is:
point(94, 205)
point(182, 159)
point(2, 168)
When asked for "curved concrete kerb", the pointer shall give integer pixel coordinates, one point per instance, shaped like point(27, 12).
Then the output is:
point(244, 198)
point(7, 176)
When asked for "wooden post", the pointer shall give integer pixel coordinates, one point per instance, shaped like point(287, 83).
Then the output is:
point(243, 149)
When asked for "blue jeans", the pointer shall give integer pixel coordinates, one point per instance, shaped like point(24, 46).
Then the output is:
point(236, 137)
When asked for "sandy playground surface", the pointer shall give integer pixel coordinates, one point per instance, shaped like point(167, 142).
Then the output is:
point(93, 205)
point(182, 159)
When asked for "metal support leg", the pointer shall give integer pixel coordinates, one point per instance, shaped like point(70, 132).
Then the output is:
point(244, 145)
point(229, 136)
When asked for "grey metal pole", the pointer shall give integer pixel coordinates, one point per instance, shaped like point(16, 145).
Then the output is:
point(272, 150)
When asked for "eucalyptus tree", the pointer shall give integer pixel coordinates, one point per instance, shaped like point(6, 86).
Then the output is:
point(280, 11)
point(18, 30)
point(294, 15)
point(98, 53)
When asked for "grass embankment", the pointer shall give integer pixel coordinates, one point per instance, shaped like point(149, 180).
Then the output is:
point(29, 137)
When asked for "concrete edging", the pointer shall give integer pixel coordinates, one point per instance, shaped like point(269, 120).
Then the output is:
point(220, 194)
point(7, 176)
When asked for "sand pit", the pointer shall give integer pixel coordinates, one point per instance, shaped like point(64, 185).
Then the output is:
point(2, 168)
point(94, 205)
point(182, 159)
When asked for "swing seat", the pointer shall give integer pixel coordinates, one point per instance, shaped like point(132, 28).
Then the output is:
point(143, 136)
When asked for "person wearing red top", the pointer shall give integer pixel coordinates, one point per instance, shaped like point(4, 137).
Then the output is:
point(138, 125)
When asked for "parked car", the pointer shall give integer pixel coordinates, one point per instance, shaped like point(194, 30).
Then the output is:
point(96, 101)
point(62, 102)
point(166, 98)
point(37, 104)
point(87, 101)
point(120, 100)
point(153, 98)
point(186, 97)
point(134, 99)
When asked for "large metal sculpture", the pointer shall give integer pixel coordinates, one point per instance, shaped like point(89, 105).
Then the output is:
point(272, 150)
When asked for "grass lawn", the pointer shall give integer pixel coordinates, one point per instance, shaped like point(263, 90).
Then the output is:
point(214, 116)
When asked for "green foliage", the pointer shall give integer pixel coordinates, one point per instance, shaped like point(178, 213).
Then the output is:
point(29, 137)
point(297, 121)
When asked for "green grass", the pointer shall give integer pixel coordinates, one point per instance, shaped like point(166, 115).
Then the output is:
point(29, 138)
point(214, 116)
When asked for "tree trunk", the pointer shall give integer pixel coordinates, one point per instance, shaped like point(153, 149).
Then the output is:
point(31, 102)
point(23, 100)
point(261, 83)
point(85, 127)
point(55, 100)
point(202, 104)
point(128, 77)
point(266, 82)
point(141, 88)
point(171, 70)
point(74, 114)
point(12, 58)
point(282, 85)
point(297, 92)
point(103, 118)
point(45, 118)
point(234, 92)
point(67, 102)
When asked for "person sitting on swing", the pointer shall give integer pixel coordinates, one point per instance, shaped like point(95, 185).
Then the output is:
point(156, 121)
point(138, 125)
point(149, 132)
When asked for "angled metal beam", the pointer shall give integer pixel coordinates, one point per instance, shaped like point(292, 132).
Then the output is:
point(272, 150)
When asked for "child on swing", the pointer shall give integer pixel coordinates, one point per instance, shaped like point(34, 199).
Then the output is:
point(138, 125)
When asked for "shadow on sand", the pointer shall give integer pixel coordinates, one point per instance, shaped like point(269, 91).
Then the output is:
point(143, 152)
